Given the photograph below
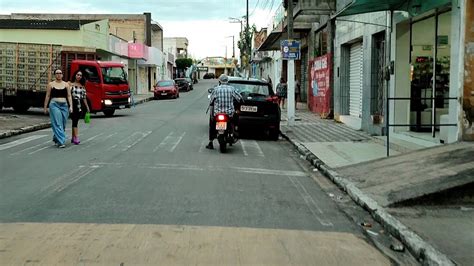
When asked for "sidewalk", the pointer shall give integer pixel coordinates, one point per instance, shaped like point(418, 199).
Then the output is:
point(12, 124)
point(415, 178)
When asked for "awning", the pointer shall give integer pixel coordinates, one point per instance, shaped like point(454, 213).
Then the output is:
point(414, 7)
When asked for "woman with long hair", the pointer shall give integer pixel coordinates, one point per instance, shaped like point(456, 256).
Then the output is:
point(58, 103)
point(79, 100)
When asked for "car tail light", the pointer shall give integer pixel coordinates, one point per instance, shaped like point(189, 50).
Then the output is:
point(221, 118)
point(273, 99)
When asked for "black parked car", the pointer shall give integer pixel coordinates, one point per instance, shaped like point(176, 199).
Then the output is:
point(259, 108)
point(190, 83)
point(183, 84)
point(209, 76)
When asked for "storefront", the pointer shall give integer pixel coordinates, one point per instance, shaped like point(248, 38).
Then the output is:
point(426, 91)
point(422, 65)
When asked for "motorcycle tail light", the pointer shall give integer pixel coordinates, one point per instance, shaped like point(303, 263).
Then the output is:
point(220, 117)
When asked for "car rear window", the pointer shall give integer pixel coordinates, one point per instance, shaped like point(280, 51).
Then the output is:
point(254, 89)
point(165, 83)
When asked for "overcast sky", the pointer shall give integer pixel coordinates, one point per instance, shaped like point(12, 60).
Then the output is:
point(204, 22)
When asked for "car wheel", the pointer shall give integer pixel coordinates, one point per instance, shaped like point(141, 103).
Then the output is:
point(109, 112)
point(274, 133)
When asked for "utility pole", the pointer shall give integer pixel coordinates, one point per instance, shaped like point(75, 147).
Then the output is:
point(291, 71)
point(247, 39)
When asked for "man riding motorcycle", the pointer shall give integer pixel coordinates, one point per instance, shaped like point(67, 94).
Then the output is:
point(222, 101)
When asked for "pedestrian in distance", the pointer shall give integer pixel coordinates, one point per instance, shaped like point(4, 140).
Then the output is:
point(58, 103)
point(282, 92)
point(79, 103)
point(297, 92)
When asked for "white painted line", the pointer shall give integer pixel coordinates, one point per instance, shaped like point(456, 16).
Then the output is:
point(203, 146)
point(268, 171)
point(31, 148)
point(309, 201)
point(109, 136)
point(144, 135)
point(177, 142)
point(242, 143)
point(20, 141)
point(164, 142)
point(257, 147)
point(93, 137)
point(33, 152)
point(112, 147)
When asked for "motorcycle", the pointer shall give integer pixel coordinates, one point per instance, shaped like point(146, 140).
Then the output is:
point(225, 131)
point(225, 128)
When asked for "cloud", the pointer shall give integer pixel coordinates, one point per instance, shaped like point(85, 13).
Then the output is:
point(204, 22)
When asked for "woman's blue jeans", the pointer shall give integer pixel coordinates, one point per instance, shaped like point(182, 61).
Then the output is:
point(58, 113)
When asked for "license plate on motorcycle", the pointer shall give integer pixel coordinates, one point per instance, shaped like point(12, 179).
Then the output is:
point(221, 125)
point(246, 108)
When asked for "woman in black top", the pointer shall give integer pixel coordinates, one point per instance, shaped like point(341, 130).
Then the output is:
point(58, 96)
point(79, 100)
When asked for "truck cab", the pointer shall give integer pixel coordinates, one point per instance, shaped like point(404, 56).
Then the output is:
point(106, 85)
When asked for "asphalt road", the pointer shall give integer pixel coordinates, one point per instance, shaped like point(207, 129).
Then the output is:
point(146, 168)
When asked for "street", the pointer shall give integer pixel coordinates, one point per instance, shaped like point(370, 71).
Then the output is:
point(142, 188)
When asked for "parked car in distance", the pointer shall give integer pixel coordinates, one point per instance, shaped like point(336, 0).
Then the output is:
point(182, 83)
point(209, 76)
point(166, 89)
point(259, 109)
point(190, 82)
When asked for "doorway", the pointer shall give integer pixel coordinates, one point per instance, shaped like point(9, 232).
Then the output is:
point(430, 41)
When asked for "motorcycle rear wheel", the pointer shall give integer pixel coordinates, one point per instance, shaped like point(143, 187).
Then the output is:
point(222, 143)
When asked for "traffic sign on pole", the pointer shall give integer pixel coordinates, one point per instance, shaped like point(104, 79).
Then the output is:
point(290, 49)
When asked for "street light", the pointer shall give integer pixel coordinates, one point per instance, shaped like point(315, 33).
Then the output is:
point(238, 20)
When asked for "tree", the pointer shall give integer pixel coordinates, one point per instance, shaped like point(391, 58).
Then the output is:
point(183, 63)
point(245, 43)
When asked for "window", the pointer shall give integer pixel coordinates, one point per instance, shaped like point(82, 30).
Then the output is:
point(90, 73)
point(114, 75)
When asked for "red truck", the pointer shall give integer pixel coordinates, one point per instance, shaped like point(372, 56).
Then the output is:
point(26, 69)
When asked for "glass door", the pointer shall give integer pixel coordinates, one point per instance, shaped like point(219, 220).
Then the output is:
point(430, 65)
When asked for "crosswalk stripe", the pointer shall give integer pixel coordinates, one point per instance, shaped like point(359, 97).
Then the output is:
point(30, 148)
point(20, 141)
point(144, 135)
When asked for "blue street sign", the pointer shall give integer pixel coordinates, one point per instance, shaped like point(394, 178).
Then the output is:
point(290, 49)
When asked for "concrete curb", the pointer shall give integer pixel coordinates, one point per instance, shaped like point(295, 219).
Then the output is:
point(421, 249)
point(40, 126)
point(26, 129)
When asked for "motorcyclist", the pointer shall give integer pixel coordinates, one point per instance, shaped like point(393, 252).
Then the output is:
point(222, 101)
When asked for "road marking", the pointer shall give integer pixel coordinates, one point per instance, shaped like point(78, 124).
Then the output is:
point(177, 142)
point(310, 203)
point(256, 171)
point(33, 152)
point(20, 141)
point(252, 145)
point(242, 143)
point(164, 142)
point(203, 145)
point(31, 148)
point(268, 171)
point(170, 142)
point(143, 135)
point(88, 142)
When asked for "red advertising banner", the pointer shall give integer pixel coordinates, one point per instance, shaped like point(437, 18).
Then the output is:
point(319, 89)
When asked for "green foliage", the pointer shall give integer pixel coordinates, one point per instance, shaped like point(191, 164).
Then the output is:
point(183, 63)
point(245, 42)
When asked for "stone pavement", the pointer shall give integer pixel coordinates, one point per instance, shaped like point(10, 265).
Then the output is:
point(14, 124)
point(416, 177)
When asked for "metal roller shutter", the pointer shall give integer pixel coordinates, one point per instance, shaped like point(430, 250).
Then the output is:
point(355, 80)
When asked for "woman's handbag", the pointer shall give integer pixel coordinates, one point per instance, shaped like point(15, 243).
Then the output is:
point(87, 118)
